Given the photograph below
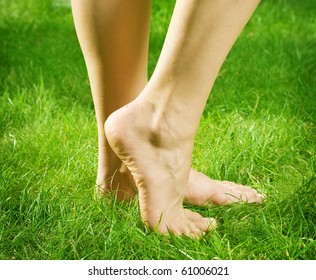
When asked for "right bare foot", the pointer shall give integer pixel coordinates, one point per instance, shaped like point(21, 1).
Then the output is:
point(159, 159)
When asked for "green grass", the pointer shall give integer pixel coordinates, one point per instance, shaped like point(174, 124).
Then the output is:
point(258, 128)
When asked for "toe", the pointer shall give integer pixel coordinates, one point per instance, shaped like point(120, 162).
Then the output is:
point(203, 224)
point(253, 196)
point(241, 193)
point(192, 231)
point(212, 224)
point(206, 224)
point(260, 198)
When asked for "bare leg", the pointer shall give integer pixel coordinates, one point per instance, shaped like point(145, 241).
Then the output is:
point(154, 134)
point(114, 39)
point(114, 36)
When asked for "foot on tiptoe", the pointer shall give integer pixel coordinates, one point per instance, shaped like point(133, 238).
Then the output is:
point(160, 167)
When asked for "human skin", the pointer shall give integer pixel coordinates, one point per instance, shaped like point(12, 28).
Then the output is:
point(149, 135)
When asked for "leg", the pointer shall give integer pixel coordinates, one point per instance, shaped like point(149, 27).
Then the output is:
point(114, 36)
point(154, 134)
point(117, 67)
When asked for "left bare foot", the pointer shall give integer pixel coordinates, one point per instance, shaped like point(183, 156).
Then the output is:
point(204, 191)
point(120, 183)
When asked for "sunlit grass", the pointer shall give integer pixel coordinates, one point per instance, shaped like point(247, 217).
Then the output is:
point(258, 128)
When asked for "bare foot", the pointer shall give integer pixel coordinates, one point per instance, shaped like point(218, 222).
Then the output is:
point(201, 190)
point(159, 160)
point(120, 183)
point(204, 191)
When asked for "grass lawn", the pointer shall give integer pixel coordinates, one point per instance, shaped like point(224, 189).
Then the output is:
point(258, 128)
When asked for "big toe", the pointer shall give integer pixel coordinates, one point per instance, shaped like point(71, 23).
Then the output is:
point(201, 223)
point(243, 193)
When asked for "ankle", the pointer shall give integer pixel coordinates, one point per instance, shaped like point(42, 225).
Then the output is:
point(167, 123)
